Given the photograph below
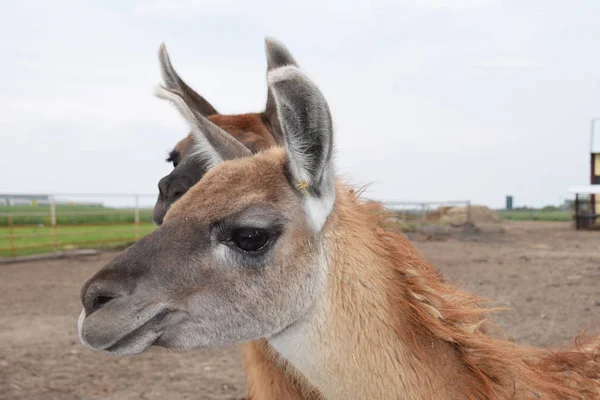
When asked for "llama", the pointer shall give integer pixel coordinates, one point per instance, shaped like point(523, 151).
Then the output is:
point(273, 246)
point(254, 130)
point(264, 372)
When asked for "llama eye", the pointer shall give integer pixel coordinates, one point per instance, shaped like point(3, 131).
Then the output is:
point(174, 157)
point(250, 239)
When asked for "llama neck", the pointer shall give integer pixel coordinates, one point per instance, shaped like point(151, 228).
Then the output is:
point(386, 326)
point(349, 346)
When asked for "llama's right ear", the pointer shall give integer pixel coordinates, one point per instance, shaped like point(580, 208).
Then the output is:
point(307, 130)
point(174, 82)
point(277, 56)
point(211, 143)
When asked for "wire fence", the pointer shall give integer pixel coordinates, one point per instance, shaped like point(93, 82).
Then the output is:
point(410, 215)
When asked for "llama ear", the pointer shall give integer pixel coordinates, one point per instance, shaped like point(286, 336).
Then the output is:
point(307, 130)
point(212, 144)
point(277, 56)
point(174, 82)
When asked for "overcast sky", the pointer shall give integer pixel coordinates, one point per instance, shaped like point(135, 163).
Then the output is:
point(431, 100)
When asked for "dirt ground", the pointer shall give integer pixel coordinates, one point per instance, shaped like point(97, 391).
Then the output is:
point(548, 274)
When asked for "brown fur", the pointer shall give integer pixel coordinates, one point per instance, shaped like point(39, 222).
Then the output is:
point(420, 336)
point(185, 146)
point(252, 130)
point(443, 324)
point(382, 324)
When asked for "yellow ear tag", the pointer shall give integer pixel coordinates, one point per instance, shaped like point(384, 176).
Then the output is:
point(303, 187)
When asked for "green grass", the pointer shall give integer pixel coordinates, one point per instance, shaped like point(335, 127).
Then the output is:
point(537, 215)
point(81, 227)
point(35, 240)
point(98, 215)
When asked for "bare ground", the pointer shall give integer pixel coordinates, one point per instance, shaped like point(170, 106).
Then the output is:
point(548, 274)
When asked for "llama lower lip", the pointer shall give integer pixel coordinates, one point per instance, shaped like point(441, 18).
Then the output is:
point(139, 339)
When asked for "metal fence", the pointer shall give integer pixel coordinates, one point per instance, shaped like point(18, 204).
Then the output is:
point(413, 214)
point(50, 223)
point(31, 224)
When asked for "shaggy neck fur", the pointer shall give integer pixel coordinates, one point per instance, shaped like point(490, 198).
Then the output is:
point(386, 326)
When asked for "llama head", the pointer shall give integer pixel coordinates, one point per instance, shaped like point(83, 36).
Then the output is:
point(240, 255)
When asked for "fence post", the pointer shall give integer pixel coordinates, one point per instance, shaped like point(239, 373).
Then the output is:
point(137, 217)
point(53, 223)
point(577, 223)
point(468, 212)
point(11, 230)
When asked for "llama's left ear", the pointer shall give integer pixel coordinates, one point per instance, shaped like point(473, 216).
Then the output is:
point(173, 82)
point(308, 136)
point(277, 56)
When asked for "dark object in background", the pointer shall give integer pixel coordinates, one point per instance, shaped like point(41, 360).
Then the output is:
point(509, 202)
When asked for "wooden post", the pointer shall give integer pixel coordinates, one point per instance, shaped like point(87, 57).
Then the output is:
point(53, 223)
point(137, 217)
point(577, 211)
point(11, 230)
point(469, 212)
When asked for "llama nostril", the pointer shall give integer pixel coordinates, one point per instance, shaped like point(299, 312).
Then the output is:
point(97, 303)
point(101, 289)
point(100, 301)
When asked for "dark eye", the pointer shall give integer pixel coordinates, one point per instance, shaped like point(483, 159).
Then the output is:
point(249, 239)
point(174, 157)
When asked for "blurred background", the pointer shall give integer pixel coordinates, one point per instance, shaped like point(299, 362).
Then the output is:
point(473, 119)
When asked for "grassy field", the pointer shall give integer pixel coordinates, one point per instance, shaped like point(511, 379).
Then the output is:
point(77, 227)
point(35, 240)
point(537, 215)
point(66, 215)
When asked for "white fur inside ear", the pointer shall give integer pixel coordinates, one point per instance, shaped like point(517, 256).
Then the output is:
point(284, 73)
point(202, 148)
point(317, 209)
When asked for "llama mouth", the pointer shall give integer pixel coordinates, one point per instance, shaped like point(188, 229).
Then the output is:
point(140, 338)
point(118, 330)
